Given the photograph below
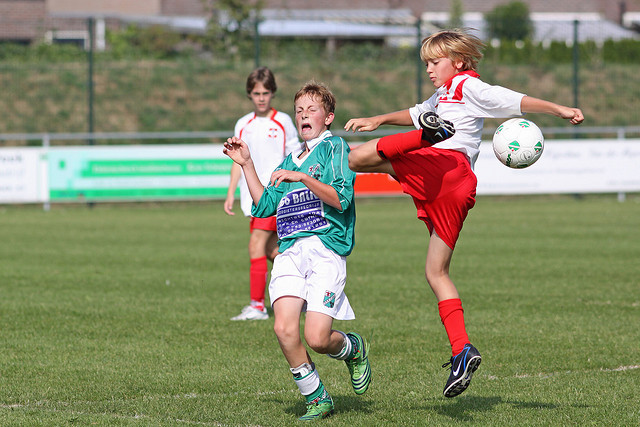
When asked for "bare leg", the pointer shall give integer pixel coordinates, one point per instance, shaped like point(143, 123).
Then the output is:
point(258, 243)
point(287, 328)
point(317, 330)
point(272, 246)
point(365, 158)
point(437, 269)
point(449, 304)
point(319, 335)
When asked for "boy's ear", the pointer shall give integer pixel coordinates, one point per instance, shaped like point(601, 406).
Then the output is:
point(329, 119)
point(459, 65)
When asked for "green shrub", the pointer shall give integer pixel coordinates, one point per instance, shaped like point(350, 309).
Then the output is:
point(41, 52)
point(509, 21)
point(621, 52)
point(154, 41)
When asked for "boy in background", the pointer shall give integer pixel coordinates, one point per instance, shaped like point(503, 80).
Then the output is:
point(312, 196)
point(270, 135)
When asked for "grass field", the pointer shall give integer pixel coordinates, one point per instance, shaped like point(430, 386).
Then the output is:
point(165, 96)
point(118, 315)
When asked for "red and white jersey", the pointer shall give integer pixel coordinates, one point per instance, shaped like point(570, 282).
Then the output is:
point(466, 101)
point(270, 140)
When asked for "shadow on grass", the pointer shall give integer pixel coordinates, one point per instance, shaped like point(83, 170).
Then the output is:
point(342, 403)
point(463, 408)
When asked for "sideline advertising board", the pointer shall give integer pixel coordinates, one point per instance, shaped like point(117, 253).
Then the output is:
point(23, 175)
point(127, 173)
point(566, 167)
point(201, 171)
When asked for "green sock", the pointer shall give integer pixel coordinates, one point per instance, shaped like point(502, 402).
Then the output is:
point(319, 395)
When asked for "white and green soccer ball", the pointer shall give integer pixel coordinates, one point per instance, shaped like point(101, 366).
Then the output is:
point(518, 143)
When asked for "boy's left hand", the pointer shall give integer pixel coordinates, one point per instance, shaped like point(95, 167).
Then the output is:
point(574, 115)
point(283, 175)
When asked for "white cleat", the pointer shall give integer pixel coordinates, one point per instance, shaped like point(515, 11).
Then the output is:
point(252, 313)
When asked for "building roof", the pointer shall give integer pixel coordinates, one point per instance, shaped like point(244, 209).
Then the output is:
point(361, 16)
point(369, 24)
point(551, 26)
point(345, 23)
point(392, 24)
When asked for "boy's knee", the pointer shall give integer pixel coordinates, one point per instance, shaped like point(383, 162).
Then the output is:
point(435, 275)
point(285, 331)
point(318, 342)
point(365, 156)
point(355, 161)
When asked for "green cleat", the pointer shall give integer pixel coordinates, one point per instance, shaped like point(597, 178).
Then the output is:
point(359, 366)
point(317, 410)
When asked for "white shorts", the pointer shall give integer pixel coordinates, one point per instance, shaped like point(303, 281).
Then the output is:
point(310, 271)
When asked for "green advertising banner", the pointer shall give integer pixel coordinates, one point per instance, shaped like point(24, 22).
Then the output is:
point(154, 172)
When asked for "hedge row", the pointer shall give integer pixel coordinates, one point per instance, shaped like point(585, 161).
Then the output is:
point(155, 44)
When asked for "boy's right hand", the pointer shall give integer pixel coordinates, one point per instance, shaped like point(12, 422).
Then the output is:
point(365, 124)
point(228, 205)
point(237, 150)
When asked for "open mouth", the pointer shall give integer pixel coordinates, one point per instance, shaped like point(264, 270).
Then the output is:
point(305, 126)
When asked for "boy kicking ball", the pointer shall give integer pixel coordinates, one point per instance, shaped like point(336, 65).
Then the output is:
point(434, 165)
point(311, 195)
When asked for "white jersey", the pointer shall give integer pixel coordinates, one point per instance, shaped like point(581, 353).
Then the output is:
point(270, 140)
point(466, 101)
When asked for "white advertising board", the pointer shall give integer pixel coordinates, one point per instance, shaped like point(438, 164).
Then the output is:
point(566, 166)
point(23, 175)
point(189, 172)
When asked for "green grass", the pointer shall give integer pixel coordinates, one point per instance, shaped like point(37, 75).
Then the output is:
point(119, 315)
point(200, 95)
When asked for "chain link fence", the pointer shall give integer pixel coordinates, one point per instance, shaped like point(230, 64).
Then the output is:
point(63, 88)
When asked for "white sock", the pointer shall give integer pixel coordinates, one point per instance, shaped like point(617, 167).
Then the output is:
point(306, 378)
point(347, 348)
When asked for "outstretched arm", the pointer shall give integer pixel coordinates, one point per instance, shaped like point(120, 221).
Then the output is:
point(368, 124)
point(238, 151)
point(530, 104)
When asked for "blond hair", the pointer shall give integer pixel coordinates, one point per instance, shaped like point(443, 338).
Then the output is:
point(456, 44)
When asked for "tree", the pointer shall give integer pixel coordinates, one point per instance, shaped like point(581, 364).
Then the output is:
point(231, 24)
point(509, 21)
point(455, 16)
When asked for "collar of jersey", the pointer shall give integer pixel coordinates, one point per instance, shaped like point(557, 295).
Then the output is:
point(462, 73)
point(269, 116)
point(311, 144)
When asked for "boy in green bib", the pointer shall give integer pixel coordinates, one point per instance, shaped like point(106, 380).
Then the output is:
point(312, 196)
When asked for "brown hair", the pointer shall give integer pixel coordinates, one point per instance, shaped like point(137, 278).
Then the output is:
point(262, 75)
point(315, 89)
point(456, 44)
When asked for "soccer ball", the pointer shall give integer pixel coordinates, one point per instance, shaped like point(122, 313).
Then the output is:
point(518, 143)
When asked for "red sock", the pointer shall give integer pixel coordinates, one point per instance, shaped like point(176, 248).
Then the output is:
point(452, 316)
point(258, 280)
point(392, 146)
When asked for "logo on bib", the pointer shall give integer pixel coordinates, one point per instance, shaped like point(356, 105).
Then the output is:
point(314, 171)
point(329, 299)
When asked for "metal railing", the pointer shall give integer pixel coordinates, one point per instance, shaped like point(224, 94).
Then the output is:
point(615, 132)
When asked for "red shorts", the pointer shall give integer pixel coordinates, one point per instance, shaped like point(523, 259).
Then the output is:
point(442, 185)
point(268, 224)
